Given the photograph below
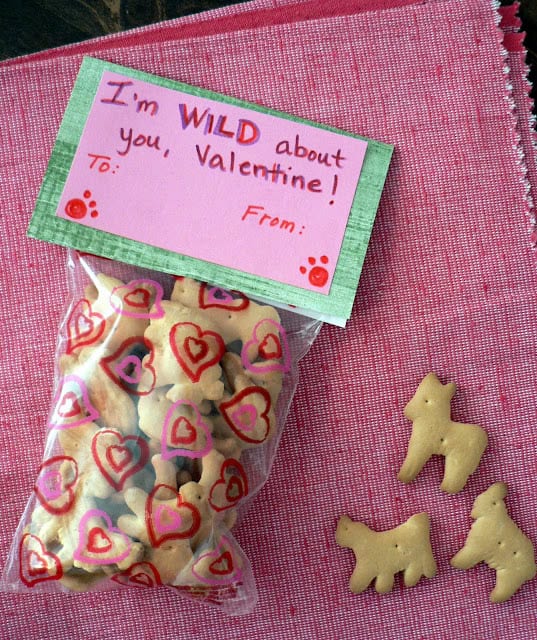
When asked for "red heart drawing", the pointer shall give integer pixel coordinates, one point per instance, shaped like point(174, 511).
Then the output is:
point(140, 574)
point(36, 563)
point(182, 514)
point(234, 489)
point(221, 299)
point(269, 343)
point(72, 406)
point(223, 565)
point(98, 541)
point(84, 326)
point(219, 564)
point(148, 377)
point(130, 364)
point(119, 457)
point(54, 492)
point(69, 406)
point(115, 459)
point(140, 298)
point(270, 347)
point(195, 350)
point(179, 427)
point(230, 487)
point(185, 436)
point(244, 418)
point(102, 545)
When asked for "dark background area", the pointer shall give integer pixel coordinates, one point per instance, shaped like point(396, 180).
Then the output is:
point(32, 25)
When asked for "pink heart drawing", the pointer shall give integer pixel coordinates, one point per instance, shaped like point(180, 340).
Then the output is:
point(166, 519)
point(72, 406)
point(187, 522)
point(249, 423)
point(54, 489)
point(51, 484)
point(130, 369)
point(245, 416)
point(130, 364)
point(268, 348)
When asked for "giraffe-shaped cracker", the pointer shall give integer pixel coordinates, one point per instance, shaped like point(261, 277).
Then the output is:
point(433, 432)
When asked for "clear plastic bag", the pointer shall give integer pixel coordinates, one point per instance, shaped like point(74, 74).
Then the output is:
point(169, 401)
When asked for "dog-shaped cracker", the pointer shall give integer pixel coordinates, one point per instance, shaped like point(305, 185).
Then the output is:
point(380, 555)
point(433, 432)
point(496, 540)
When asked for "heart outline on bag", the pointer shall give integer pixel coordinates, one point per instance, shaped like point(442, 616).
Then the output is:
point(97, 541)
point(157, 538)
point(260, 344)
point(137, 295)
point(66, 489)
point(193, 364)
point(77, 338)
point(208, 299)
point(242, 430)
point(49, 563)
point(131, 577)
point(240, 481)
point(115, 472)
point(170, 433)
point(223, 568)
point(67, 405)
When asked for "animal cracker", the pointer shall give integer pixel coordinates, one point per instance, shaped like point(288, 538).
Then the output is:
point(434, 433)
point(382, 554)
point(496, 540)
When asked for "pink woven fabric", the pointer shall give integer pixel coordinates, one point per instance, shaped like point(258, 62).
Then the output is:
point(449, 285)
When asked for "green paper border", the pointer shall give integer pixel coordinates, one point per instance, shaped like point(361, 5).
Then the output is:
point(336, 307)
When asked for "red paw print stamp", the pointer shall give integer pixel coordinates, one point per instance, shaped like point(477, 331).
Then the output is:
point(78, 208)
point(318, 274)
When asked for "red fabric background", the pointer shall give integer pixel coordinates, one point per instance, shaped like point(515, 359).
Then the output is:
point(449, 285)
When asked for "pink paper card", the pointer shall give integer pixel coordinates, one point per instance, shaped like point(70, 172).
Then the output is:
point(212, 179)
